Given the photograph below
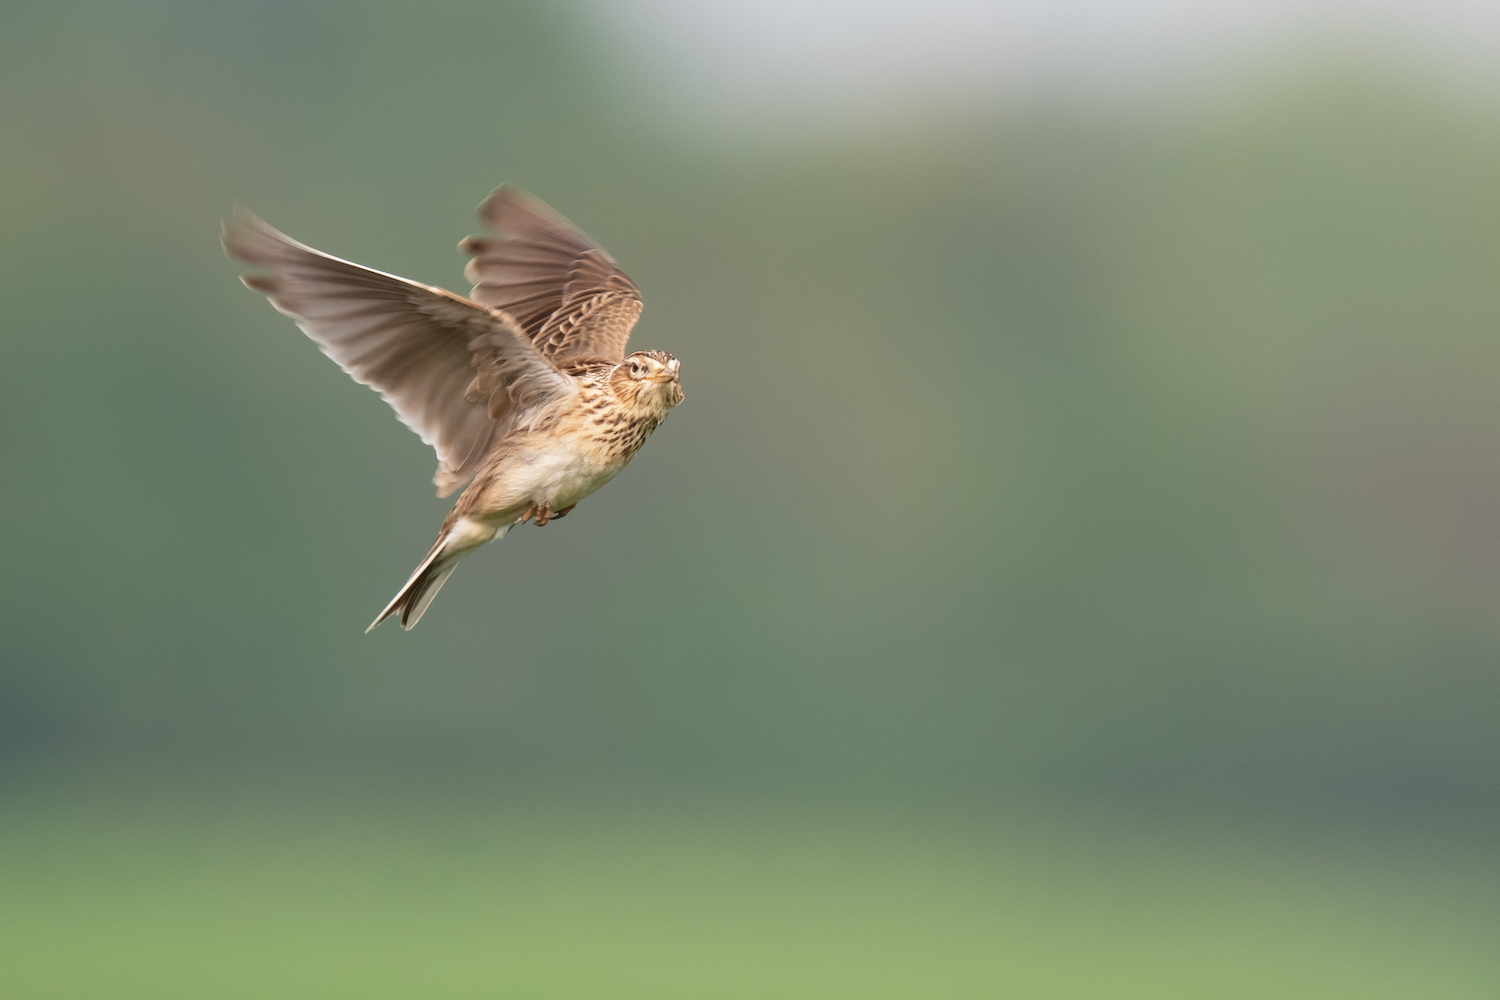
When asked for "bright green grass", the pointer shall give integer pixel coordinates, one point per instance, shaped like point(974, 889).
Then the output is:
point(537, 901)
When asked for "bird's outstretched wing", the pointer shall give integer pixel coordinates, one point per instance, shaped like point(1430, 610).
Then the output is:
point(562, 288)
point(453, 370)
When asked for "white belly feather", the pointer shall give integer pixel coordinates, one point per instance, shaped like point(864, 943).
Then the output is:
point(557, 476)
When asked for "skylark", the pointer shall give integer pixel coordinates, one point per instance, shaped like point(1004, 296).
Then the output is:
point(523, 388)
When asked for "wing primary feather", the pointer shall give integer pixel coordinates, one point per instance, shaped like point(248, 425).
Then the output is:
point(548, 274)
point(412, 343)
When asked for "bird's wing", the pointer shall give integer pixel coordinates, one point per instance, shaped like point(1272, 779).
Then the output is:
point(563, 288)
point(452, 369)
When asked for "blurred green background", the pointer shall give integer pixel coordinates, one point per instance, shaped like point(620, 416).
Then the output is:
point(1072, 574)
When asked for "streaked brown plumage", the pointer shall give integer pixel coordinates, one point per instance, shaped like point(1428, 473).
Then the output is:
point(523, 388)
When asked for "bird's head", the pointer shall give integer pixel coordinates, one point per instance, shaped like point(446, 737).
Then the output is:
point(648, 379)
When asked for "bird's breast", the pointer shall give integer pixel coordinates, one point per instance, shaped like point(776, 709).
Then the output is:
point(562, 472)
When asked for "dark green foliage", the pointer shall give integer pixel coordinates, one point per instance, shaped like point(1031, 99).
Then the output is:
point(1144, 457)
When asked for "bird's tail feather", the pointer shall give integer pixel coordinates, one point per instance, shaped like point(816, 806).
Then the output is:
point(432, 572)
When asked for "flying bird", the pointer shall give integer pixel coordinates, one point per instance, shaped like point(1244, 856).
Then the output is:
point(523, 387)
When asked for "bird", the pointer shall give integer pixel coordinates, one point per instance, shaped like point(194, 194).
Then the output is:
point(522, 387)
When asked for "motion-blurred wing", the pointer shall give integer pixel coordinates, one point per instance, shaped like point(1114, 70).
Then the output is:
point(563, 289)
point(414, 344)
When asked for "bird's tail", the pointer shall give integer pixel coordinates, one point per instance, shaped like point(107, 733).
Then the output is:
point(456, 541)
